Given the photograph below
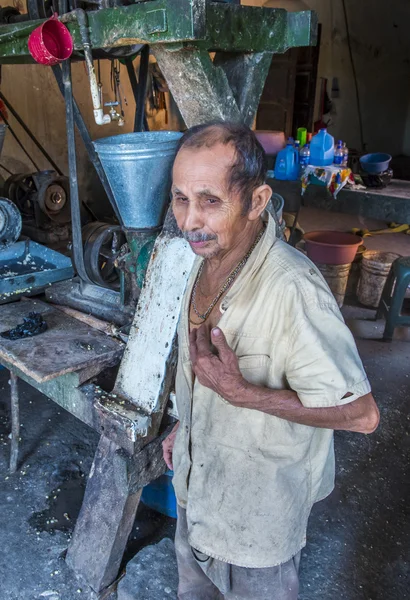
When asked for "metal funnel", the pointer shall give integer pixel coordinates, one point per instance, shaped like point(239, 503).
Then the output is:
point(138, 168)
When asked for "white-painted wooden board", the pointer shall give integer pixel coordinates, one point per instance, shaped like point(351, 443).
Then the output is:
point(144, 365)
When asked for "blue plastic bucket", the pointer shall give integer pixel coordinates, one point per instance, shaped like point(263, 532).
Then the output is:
point(138, 167)
point(160, 496)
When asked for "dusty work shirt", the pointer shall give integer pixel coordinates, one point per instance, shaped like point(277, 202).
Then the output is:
point(248, 480)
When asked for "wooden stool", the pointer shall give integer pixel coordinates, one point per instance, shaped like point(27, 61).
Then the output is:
point(391, 302)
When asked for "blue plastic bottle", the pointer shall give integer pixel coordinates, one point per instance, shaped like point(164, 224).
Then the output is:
point(322, 149)
point(304, 156)
point(287, 163)
point(339, 154)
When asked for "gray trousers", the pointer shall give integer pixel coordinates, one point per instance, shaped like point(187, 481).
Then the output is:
point(205, 578)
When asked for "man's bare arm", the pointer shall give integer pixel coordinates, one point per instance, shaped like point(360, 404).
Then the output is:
point(221, 373)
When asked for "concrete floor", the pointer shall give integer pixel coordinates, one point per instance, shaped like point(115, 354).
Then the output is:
point(358, 538)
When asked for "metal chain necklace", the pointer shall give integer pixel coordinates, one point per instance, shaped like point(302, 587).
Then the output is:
point(231, 278)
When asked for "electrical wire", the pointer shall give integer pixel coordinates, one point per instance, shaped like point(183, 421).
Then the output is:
point(359, 110)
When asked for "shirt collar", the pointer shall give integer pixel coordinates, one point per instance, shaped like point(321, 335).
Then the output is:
point(256, 259)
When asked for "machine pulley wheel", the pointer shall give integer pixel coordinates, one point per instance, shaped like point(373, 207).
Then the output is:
point(102, 247)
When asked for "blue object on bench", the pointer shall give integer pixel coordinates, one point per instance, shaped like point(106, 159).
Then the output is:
point(160, 496)
point(378, 162)
point(26, 268)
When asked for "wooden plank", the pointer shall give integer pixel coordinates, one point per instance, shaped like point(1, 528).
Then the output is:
point(68, 345)
point(108, 511)
point(148, 364)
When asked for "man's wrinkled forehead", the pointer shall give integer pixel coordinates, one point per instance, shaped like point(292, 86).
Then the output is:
point(204, 168)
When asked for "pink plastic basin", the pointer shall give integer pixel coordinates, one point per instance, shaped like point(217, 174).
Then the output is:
point(332, 247)
point(50, 43)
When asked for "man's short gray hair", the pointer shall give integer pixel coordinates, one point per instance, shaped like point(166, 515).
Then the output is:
point(249, 168)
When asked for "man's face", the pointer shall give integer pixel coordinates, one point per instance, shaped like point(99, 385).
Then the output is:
point(209, 214)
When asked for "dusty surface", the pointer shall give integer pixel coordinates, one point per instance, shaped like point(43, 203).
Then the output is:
point(358, 538)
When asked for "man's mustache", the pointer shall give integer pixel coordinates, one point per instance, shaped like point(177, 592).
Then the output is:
point(197, 236)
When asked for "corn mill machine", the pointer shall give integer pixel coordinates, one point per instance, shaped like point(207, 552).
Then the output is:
point(215, 57)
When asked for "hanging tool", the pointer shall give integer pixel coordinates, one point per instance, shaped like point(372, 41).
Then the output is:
point(116, 88)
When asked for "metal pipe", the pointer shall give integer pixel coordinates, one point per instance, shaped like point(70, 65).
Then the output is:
point(81, 17)
point(30, 134)
point(142, 89)
point(85, 136)
point(77, 240)
point(13, 133)
point(15, 422)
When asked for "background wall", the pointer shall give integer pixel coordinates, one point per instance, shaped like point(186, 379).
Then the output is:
point(381, 50)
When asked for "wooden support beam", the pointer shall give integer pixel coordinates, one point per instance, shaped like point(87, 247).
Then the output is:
point(201, 91)
point(108, 511)
point(246, 74)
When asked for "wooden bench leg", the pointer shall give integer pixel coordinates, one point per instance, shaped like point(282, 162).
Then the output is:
point(108, 511)
point(15, 422)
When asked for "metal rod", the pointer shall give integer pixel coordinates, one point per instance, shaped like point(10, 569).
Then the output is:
point(142, 89)
point(13, 133)
point(85, 136)
point(6, 169)
point(134, 84)
point(77, 241)
point(30, 134)
point(15, 422)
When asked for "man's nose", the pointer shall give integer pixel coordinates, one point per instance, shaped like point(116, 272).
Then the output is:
point(193, 219)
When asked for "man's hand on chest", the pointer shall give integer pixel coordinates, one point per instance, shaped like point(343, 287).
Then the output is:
point(219, 369)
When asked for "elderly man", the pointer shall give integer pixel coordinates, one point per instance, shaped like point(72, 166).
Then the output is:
point(267, 370)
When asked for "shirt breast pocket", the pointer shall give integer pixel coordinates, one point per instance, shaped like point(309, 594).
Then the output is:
point(255, 368)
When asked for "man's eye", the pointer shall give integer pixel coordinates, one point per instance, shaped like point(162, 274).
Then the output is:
point(181, 199)
point(212, 201)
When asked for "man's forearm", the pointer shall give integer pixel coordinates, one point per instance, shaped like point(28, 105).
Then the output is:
point(361, 415)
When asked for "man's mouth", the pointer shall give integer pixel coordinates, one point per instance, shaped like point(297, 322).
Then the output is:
point(198, 244)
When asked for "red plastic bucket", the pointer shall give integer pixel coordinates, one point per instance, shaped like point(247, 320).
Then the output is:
point(332, 247)
point(50, 43)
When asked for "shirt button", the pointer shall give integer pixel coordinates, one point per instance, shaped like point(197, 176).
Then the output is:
point(312, 271)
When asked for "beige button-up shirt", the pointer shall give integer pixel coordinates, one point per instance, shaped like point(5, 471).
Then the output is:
point(248, 480)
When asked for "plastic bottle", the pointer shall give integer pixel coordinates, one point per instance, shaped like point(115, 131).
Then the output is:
point(322, 149)
point(339, 154)
point(345, 155)
point(304, 156)
point(301, 135)
point(287, 163)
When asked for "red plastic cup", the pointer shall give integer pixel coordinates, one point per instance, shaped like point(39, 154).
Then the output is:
point(50, 43)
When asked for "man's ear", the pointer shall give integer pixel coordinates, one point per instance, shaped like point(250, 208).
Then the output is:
point(260, 198)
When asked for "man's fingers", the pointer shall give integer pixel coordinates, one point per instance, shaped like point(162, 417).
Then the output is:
point(220, 343)
point(202, 341)
point(167, 453)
